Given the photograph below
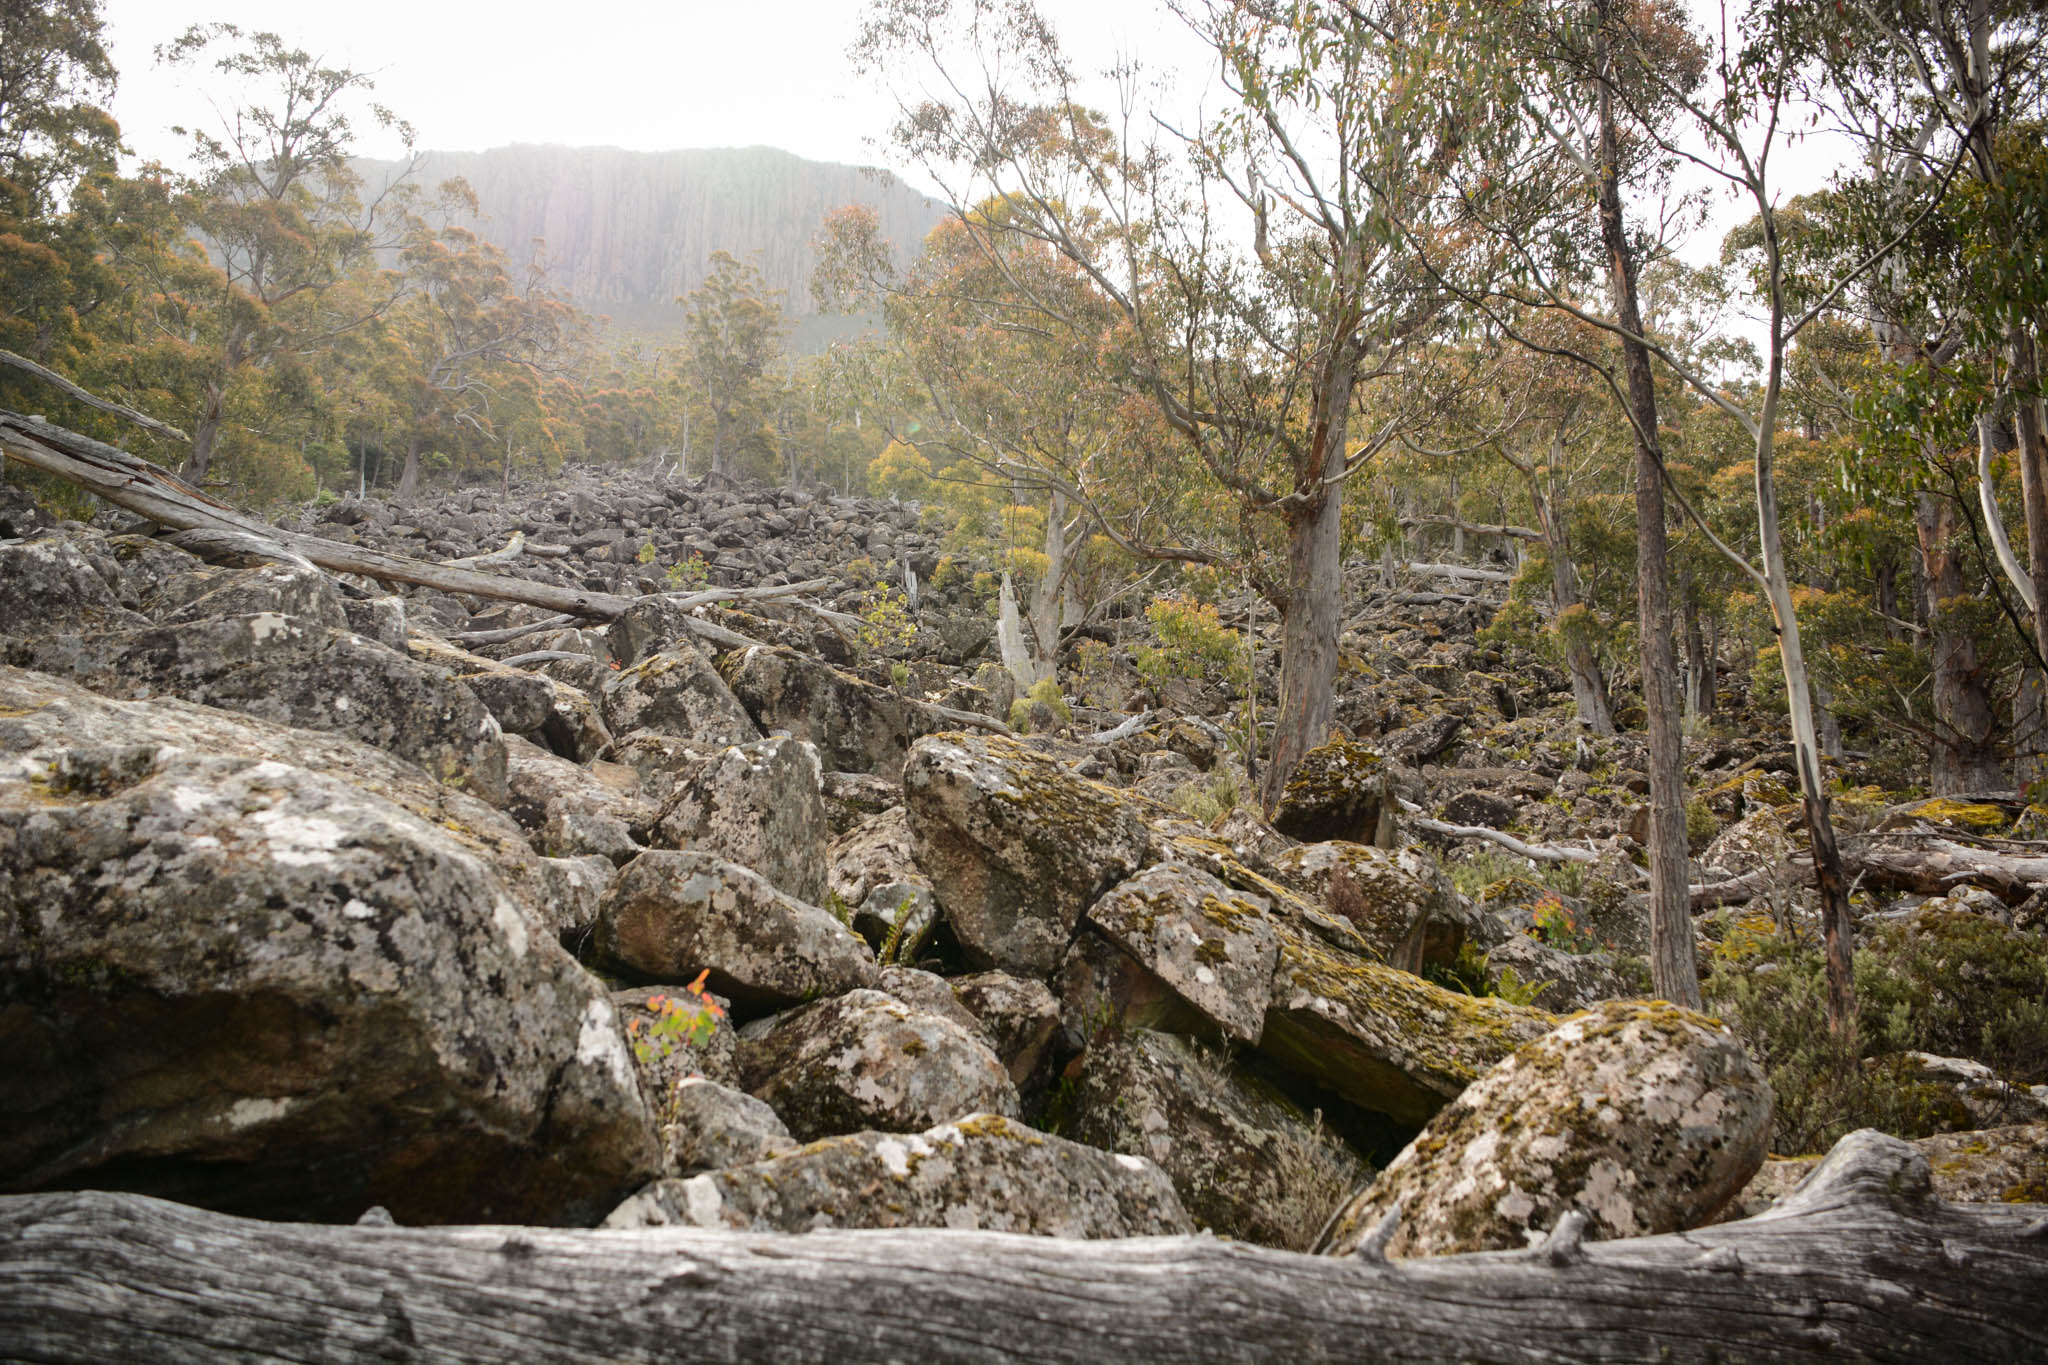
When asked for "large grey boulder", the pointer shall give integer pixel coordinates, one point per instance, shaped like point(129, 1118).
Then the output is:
point(1016, 846)
point(708, 1127)
point(286, 589)
point(671, 915)
point(1245, 1162)
point(857, 726)
point(232, 981)
point(982, 1171)
point(50, 583)
point(571, 810)
point(1340, 790)
point(1212, 946)
point(1644, 1116)
point(294, 672)
point(759, 805)
point(867, 1060)
point(678, 694)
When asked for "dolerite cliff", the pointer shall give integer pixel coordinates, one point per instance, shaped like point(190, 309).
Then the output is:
point(627, 233)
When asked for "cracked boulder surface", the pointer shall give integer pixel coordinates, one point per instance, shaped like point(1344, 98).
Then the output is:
point(1644, 1116)
point(236, 982)
point(760, 805)
point(1246, 1162)
point(1212, 946)
point(983, 1171)
point(1016, 846)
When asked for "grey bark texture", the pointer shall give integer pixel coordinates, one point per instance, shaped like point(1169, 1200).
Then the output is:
point(1860, 1262)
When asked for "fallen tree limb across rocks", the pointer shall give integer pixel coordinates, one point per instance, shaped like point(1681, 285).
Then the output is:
point(1901, 861)
point(137, 486)
point(1542, 853)
point(1860, 1262)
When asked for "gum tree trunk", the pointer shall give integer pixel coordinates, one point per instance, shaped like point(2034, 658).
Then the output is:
point(1674, 970)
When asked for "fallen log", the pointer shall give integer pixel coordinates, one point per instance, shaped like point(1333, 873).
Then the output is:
point(1542, 853)
point(1862, 1261)
point(1463, 571)
point(1919, 861)
point(135, 485)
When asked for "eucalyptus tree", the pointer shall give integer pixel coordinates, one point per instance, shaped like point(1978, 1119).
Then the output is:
point(1259, 281)
point(734, 328)
point(281, 214)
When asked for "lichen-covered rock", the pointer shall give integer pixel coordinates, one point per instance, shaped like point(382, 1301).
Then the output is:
point(709, 1127)
point(928, 991)
point(1384, 1039)
point(1016, 846)
point(297, 673)
point(2007, 1165)
point(867, 1060)
point(857, 726)
point(1980, 1092)
point(758, 805)
point(231, 981)
point(983, 1171)
point(82, 729)
point(851, 798)
point(1336, 793)
point(1645, 1116)
point(48, 583)
point(1245, 1162)
point(1021, 1016)
point(1212, 946)
point(381, 618)
point(1398, 899)
point(671, 915)
point(873, 853)
point(286, 589)
point(676, 693)
point(521, 702)
point(573, 727)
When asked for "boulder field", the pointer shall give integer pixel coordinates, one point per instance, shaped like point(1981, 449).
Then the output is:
point(315, 898)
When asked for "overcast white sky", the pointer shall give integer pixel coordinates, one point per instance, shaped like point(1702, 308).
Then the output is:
point(645, 74)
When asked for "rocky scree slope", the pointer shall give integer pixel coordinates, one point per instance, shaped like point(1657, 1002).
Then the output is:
point(308, 903)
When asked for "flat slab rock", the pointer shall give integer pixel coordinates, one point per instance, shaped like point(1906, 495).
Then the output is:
point(1644, 1117)
point(983, 1171)
point(1213, 946)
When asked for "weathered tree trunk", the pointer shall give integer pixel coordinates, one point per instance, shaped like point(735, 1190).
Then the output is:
point(1589, 684)
point(1049, 596)
point(1674, 970)
point(1861, 1262)
point(1315, 583)
point(1964, 755)
point(205, 434)
point(409, 476)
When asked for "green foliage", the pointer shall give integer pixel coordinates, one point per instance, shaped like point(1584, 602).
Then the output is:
point(687, 575)
point(1193, 643)
point(885, 620)
point(1207, 799)
point(1945, 982)
point(1047, 691)
point(679, 1022)
point(1557, 925)
point(1469, 973)
point(898, 949)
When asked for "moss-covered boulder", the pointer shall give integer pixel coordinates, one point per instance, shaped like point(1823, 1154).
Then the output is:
point(2005, 1165)
point(1398, 899)
point(1645, 1116)
point(671, 915)
point(983, 1171)
point(1245, 1162)
point(1337, 792)
point(1016, 846)
point(1383, 1039)
point(1212, 946)
point(867, 1060)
